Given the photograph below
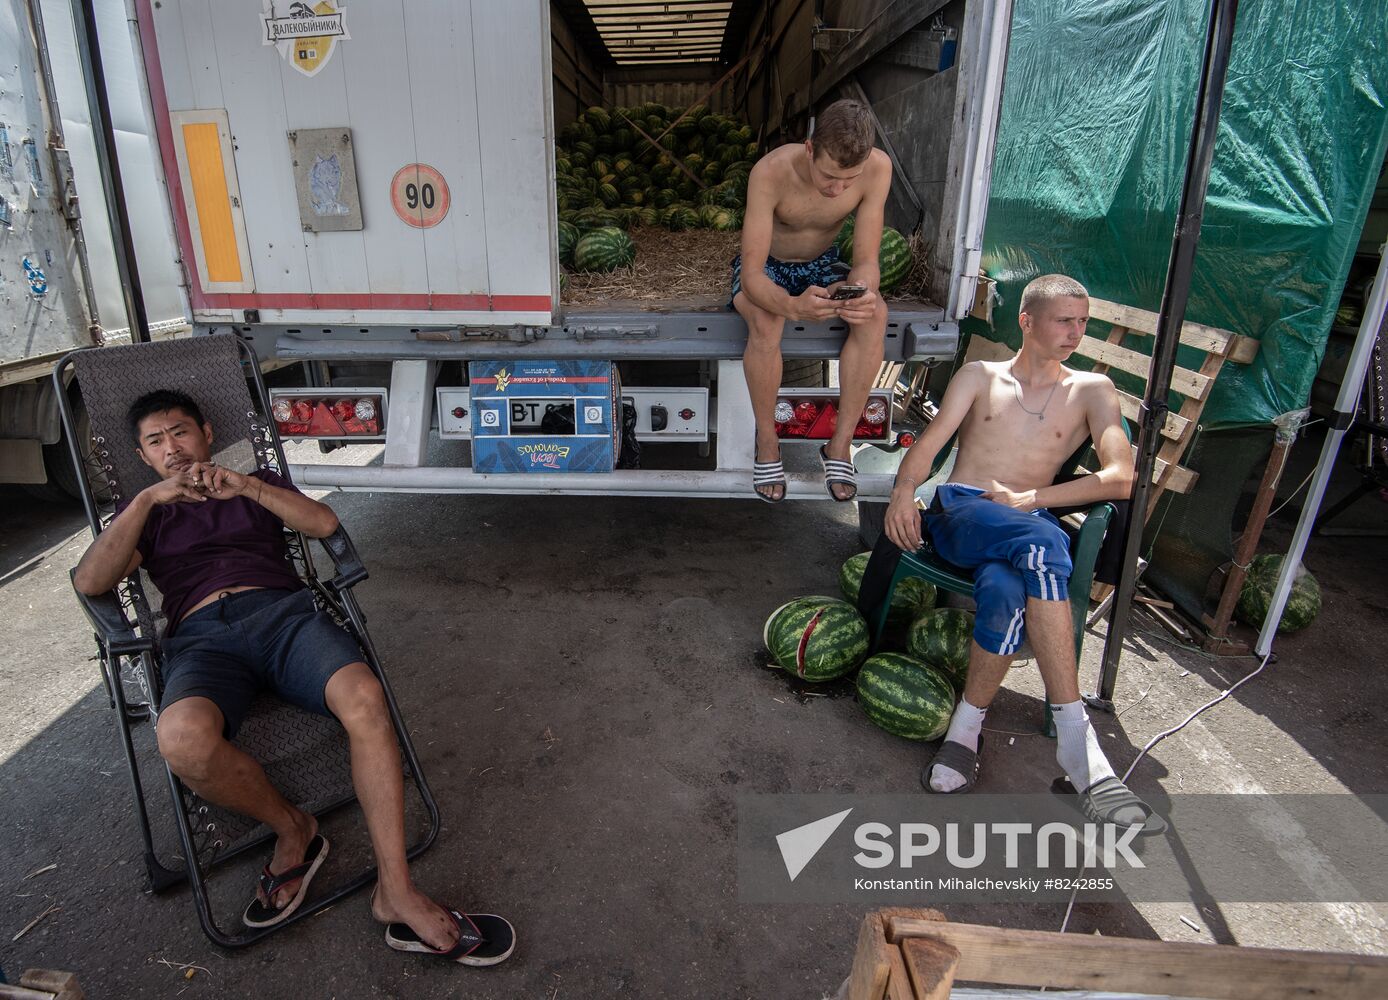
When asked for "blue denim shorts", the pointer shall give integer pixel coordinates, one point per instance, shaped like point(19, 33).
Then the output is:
point(795, 275)
point(254, 641)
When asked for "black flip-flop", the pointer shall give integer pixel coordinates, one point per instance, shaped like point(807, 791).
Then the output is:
point(1101, 802)
point(264, 914)
point(956, 757)
point(837, 471)
point(483, 939)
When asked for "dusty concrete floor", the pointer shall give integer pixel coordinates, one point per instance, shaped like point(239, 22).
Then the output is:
point(583, 682)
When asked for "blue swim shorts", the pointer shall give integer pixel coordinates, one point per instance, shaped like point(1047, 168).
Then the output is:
point(795, 275)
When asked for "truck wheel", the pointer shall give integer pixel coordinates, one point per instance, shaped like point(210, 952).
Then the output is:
point(872, 515)
point(804, 373)
point(63, 482)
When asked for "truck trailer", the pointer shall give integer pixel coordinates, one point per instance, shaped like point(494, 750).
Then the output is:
point(368, 191)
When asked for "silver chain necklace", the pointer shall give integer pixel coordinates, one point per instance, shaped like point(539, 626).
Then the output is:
point(1017, 388)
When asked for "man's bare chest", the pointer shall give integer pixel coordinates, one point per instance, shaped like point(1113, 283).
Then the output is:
point(796, 212)
point(1029, 423)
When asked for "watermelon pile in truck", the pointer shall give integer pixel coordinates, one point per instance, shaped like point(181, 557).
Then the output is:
point(386, 194)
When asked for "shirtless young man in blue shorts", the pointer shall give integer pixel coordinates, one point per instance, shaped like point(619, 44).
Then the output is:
point(1017, 421)
point(797, 199)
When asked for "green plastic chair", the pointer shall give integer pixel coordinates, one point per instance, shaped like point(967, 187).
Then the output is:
point(926, 564)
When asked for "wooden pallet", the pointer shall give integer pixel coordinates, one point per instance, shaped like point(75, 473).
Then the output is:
point(907, 954)
point(1193, 385)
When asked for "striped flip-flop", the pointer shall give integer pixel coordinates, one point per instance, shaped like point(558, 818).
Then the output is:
point(837, 471)
point(769, 474)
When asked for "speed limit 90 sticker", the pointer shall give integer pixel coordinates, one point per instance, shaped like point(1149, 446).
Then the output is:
point(419, 195)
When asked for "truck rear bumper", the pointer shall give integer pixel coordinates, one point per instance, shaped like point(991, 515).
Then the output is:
point(734, 484)
point(920, 333)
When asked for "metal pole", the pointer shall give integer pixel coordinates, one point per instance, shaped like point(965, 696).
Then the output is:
point(1218, 42)
point(1345, 406)
point(94, 74)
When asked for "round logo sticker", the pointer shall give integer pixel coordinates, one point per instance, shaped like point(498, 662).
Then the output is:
point(419, 195)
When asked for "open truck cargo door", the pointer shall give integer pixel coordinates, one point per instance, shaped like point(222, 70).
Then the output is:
point(358, 163)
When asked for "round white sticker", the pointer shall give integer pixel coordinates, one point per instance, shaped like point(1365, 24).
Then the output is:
point(419, 195)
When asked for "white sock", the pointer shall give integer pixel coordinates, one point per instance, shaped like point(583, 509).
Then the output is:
point(964, 728)
point(1077, 746)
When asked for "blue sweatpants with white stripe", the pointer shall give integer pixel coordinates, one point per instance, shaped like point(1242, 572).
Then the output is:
point(1013, 554)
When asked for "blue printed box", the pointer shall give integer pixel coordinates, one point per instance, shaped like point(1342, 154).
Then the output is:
point(543, 416)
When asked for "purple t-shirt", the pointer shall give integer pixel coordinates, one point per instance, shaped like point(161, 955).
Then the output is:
point(191, 550)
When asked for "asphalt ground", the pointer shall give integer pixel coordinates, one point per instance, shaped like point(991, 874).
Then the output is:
point(584, 682)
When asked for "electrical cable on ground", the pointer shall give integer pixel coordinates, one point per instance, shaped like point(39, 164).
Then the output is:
point(1069, 907)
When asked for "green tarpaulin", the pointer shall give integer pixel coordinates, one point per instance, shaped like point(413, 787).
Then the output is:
point(1092, 145)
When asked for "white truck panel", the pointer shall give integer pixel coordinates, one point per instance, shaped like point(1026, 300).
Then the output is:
point(249, 87)
point(42, 309)
point(514, 90)
point(442, 62)
point(336, 262)
point(461, 86)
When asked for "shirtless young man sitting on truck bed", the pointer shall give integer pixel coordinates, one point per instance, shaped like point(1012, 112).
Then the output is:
point(1017, 421)
point(797, 199)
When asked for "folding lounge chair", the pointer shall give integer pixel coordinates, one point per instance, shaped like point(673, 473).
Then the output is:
point(927, 564)
point(305, 755)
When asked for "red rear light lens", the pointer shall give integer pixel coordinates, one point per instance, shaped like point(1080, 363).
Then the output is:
point(906, 439)
point(310, 413)
point(805, 411)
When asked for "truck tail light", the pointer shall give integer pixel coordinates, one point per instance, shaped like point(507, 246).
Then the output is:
point(812, 416)
point(312, 413)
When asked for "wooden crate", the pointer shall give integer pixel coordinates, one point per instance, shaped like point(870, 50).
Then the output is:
point(43, 984)
point(907, 954)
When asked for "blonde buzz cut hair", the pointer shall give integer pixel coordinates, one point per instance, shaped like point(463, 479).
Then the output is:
point(1048, 287)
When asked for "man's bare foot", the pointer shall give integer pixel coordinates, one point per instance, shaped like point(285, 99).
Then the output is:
point(844, 453)
point(769, 450)
point(290, 847)
point(409, 906)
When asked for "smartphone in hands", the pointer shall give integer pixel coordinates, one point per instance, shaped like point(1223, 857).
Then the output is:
point(848, 292)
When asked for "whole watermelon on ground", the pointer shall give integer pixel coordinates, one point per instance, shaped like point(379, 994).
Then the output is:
point(911, 597)
point(604, 249)
point(816, 638)
point(941, 638)
point(905, 696)
point(1303, 604)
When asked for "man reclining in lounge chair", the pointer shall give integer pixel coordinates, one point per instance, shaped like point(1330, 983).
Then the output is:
point(241, 621)
point(1017, 421)
point(797, 198)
